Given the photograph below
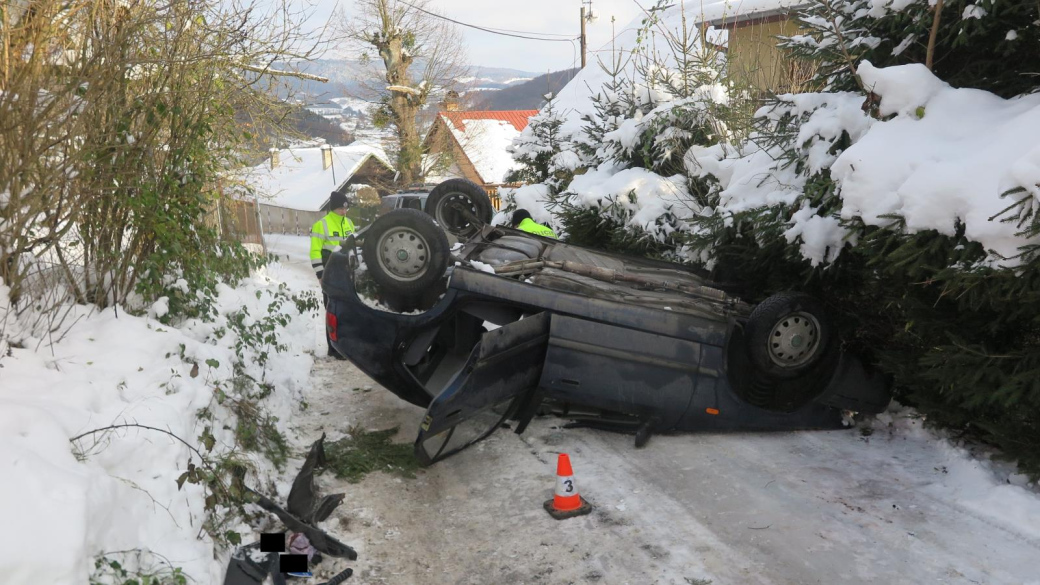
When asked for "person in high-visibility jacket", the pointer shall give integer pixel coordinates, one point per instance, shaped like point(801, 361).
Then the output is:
point(522, 221)
point(327, 234)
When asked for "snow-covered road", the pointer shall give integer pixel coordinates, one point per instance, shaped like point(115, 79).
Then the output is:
point(897, 506)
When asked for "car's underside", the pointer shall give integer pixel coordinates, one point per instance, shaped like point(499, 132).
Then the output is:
point(522, 324)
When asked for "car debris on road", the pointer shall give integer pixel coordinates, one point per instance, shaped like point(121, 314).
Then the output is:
point(250, 565)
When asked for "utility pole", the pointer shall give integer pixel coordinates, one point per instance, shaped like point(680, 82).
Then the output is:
point(584, 42)
point(586, 16)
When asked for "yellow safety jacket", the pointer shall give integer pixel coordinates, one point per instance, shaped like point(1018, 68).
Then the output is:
point(326, 235)
point(532, 227)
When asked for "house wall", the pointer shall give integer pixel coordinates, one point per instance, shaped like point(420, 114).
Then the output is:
point(753, 55)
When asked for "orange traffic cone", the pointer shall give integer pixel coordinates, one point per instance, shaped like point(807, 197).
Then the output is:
point(566, 503)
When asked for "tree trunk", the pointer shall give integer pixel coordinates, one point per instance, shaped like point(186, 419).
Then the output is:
point(405, 109)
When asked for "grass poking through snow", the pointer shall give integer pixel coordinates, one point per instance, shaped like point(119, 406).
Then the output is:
point(364, 451)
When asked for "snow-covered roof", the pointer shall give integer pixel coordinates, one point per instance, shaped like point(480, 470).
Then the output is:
point(518, 118)
point(299, 182)
point(485, 138)
point(722, 12)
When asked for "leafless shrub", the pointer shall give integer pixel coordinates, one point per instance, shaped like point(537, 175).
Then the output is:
point(117, 118)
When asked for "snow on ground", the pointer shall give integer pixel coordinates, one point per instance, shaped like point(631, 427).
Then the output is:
point(62, 504)
point(358, 105)
point(897, 506)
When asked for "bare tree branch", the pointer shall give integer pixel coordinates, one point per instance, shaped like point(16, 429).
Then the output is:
point(279, 73)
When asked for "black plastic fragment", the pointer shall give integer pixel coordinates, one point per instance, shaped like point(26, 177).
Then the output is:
point(319, 539)
point(301, 497)
point(340, 578)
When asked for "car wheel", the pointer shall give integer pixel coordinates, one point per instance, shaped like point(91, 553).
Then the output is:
point(451, 201)
point(406, 252)
point(787, 334)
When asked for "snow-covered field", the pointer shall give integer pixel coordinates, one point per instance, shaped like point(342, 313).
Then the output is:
point(899, 505)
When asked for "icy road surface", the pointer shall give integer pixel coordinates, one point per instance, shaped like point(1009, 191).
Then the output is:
point(897, 507)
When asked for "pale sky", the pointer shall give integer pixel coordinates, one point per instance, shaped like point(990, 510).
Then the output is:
point(540, 16)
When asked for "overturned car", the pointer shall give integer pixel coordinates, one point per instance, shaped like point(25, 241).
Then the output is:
point(506, 324)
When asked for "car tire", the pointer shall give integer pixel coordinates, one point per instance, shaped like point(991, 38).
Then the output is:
point(406, 253)
point(787, 335)
point(465, 192)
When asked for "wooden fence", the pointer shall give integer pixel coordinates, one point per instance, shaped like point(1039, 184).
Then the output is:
point(280, 220)
point(237, 220)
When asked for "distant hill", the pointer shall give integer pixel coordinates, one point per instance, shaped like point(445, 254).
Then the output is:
point(315, 126)
point(529, 95)
point(344, 79)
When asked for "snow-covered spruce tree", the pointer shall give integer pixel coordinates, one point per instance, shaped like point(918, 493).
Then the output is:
point(678, 97)
point(751, 234)
point(536, 148)
point(550, 160)
point(612, 105)
point(985, 44)
point(955, 322)
point(547, 163)
point(964, 342)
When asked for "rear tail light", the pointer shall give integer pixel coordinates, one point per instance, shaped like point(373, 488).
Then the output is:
point(331, 325)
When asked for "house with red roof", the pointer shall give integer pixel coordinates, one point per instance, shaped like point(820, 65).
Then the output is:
point(473, 145)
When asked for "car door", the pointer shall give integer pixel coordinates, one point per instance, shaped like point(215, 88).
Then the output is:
point(502, 370)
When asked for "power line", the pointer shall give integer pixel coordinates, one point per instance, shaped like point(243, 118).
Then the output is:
point(488, 30)
point(524, 32)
